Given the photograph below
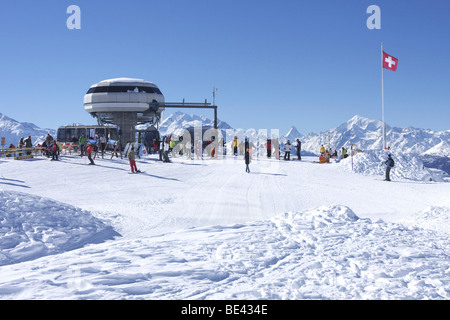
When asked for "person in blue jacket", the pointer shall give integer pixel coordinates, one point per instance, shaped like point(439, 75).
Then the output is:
point(389, 164)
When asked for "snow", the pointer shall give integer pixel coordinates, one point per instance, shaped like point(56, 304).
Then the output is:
point(205, 229)
point(33, 226)
point(441, 149)
point(408, 166)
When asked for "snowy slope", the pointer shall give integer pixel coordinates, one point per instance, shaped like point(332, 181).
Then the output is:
point(441, 149)
point(13, 130)
point(204, 229)
point(407, 166)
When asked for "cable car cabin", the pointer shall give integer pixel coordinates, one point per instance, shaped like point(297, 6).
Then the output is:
point(69, 134)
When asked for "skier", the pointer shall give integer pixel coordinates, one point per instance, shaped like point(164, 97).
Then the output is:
point(269, 148)
point(81, 142)
point(344, 153)
point(55, 148)
point(235, 145)
point(166, 150)
point(247, 155)
point(102, 144)
point(20, 145)
point(28, 144)
point(287, 150)
point(389, 164)
point(132, 158)
point(48, 139)
point(117, 148)
point(322, 150)
point(299, 148)
point(89, 153)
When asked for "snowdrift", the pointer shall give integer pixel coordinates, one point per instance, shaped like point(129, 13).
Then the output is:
point(432, 218)
point(32, 227)
point(321, 253)
point(408, 166)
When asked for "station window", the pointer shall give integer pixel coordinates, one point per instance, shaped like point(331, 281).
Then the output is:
point(124, 89)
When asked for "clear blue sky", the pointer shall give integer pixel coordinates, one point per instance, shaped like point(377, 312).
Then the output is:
point(312, 64)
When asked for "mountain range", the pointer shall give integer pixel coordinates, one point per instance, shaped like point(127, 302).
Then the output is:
point(12, 130)
point(363, 133)
point(359, 131)
point(366, 133)
point(432, 147)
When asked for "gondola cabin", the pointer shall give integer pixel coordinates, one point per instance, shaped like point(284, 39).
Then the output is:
point(68, 134)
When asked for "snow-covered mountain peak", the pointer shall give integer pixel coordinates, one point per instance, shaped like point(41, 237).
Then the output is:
point(362, 123)
point(178, 121)
point(13, 130)
point(441, 149)
point(293, 134)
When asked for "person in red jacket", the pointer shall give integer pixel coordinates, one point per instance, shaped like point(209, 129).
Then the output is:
point(55, 148)
point(89, 153)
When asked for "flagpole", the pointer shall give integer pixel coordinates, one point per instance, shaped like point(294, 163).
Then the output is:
point(382, 99)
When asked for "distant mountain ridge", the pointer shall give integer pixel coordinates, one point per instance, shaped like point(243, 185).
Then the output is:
point(178, 121)
point(364, 133)
point(12, 130)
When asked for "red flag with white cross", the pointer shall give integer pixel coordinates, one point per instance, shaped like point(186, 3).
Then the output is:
point(389, 62)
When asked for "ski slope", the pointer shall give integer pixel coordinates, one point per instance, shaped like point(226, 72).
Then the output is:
point(205, 229)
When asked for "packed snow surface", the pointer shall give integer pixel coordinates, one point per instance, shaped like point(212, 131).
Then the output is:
point(205, 229)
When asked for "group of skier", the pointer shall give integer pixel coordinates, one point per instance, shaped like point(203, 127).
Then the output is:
point(389, 163)
point(52, 147)
point(269, 148)
point(288, 148)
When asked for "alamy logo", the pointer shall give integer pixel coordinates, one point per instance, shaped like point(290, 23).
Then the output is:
point(374, 21)
point(74, 20)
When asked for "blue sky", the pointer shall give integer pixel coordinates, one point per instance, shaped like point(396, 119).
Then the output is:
point(312, 64)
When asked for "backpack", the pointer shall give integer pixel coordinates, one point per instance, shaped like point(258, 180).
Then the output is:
point(391, 162)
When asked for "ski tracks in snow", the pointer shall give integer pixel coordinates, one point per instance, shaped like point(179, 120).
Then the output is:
point(225, 194)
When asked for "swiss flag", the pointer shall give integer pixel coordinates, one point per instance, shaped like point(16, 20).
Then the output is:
point(389, 62)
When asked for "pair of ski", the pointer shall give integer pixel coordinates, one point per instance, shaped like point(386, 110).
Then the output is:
point(139, 171)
